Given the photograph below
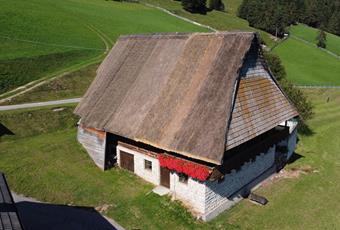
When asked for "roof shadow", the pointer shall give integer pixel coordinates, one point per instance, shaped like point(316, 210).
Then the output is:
point(42, 216)
point(294, 158)
point(4, 130)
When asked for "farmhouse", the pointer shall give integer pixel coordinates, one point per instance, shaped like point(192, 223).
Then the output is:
point(199, 114)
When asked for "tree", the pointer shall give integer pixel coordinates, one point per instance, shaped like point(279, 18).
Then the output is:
point(216, 5)
point(275, 65)
point(274, 16)
point(321, 39)
point(334, 23)
point(195, 6)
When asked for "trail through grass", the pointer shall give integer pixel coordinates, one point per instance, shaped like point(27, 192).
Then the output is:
point(39, 37)
point(224, 21)
point(71, 85)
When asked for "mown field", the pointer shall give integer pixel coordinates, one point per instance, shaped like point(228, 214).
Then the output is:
point(223, 21)
point(44, 160)
point(41, 38)
point(70, 85)
point(306, 64)
point(310, 34)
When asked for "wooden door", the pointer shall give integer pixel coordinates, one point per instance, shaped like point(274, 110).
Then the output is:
point(127, 161)
point(165, 177)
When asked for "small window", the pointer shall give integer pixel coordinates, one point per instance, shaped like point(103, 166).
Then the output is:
point(183, 178)
point(147, 165)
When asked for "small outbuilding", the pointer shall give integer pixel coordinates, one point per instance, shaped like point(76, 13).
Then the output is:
point(199, 114)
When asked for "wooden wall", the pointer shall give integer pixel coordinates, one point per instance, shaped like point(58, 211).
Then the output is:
point(94, 141)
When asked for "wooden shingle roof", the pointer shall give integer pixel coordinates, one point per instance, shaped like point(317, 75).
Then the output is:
point(174, 91)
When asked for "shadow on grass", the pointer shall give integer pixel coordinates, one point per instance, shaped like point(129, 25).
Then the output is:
point(5, 131)
point(305, 130)
point(42, 216)
point(294, 158)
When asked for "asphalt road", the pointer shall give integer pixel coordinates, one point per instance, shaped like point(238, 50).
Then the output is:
point(39, 104)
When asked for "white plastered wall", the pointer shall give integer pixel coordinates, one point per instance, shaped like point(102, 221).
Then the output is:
point(152, 176)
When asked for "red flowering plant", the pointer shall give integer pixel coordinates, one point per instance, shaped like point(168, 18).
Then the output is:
point(191, 169)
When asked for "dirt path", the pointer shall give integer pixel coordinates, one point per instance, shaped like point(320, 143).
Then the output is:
point(39, 104)
point(34, 84)
point(180, 17)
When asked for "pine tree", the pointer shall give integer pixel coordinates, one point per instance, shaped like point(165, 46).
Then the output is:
point(334, 23)
point(216, 5)
point(194, 6)
point(321, 39)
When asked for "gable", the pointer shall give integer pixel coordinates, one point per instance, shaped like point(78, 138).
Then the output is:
point(260, 104)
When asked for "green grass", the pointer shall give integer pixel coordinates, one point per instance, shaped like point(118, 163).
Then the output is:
point(36, 32)
point(45, 161)
point(309, 34)
point(308, 65)
point(70, 85)
point(19, 71)
point(224, 21)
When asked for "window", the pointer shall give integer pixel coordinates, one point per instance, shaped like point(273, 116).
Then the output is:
point(183, 178)
point(147, 165)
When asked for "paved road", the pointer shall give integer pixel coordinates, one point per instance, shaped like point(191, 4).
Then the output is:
point(39, 104)
point(41, 216)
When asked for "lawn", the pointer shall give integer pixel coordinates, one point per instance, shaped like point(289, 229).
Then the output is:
point(224, 21)
point(45, 161)
point(70, 85)
point(41, 37)
point(309, 34)
point(308, 65)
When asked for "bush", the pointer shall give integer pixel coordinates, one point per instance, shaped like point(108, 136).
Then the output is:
point(195, 6)
point(216, 5)
point(321, 39)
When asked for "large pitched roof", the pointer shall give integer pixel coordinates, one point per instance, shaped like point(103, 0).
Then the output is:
point(173, 91)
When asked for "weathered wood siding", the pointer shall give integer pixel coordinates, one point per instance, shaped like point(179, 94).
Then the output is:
point(253, 65)
point(94, 142)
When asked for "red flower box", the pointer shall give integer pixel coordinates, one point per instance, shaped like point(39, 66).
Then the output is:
point(191, 169)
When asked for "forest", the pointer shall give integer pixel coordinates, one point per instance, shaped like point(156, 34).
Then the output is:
point(274, 16)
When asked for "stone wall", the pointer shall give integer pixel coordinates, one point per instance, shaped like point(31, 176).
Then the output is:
point(217, 194)
point(192, 193)
point(152, 176)
point(94, 142)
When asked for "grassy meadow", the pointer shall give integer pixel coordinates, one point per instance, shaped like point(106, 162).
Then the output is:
point(309, 34)
point(305, 63)
point(70, 85)
point(41, 38)
point(44, 160)
point(223, 21)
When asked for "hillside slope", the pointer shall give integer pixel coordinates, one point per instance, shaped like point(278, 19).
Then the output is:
point(305, 63)
point(43, 36)
point(309, 34)
point(224, 21)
